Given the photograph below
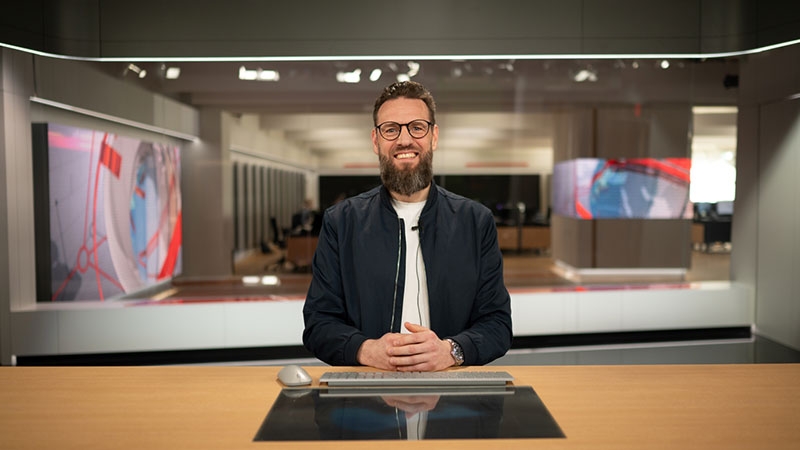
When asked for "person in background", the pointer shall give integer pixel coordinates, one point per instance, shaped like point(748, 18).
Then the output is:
point(303, 220)
point(407, 276)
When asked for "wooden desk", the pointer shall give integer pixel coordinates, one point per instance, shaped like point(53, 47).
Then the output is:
point(597, 407)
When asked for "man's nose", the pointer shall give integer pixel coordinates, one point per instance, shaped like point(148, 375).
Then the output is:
point(405, 135)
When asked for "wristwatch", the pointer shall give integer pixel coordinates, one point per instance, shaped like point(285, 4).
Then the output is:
point(456, 352)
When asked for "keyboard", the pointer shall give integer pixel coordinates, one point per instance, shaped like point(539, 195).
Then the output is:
point(395, 379)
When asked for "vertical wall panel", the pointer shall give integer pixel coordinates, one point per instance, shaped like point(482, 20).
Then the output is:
point(778, 295)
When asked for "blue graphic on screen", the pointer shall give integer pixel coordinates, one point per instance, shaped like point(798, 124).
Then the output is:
point(645, 188)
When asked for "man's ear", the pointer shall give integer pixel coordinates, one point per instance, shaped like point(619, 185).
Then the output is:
point(435, 137)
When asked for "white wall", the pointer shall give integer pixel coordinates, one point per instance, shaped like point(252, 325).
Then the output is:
point(766, 227)
point(17, 285)
point(88, 328)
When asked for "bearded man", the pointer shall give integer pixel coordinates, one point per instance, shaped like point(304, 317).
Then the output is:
point(407, 276)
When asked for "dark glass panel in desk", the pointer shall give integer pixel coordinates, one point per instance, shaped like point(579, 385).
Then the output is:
point(407, 413)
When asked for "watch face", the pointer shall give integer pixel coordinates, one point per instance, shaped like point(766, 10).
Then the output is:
point(456, 352)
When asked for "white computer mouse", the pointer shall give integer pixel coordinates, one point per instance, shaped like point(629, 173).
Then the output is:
point(294, 375)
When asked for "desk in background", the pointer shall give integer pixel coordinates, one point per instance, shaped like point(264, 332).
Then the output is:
point(597, 407)
point(707, 233)
point(523, 238)
point(300, 250)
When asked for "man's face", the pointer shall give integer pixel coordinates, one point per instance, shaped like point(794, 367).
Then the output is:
point(406, 162)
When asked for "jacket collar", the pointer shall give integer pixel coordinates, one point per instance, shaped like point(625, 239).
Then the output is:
point(430, 202)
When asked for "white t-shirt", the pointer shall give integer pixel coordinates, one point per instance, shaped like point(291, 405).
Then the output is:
point(415, 293)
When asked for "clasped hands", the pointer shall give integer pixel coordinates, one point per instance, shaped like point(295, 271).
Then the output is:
point(419, 351)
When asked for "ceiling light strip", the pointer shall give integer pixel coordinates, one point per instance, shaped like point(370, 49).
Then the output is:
point(575, 56)
point(115, 119)
point(266, 157)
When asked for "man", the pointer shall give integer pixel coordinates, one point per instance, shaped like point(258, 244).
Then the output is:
point(407, 276)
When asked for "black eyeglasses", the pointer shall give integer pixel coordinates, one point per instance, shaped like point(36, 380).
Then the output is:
point(417, 129)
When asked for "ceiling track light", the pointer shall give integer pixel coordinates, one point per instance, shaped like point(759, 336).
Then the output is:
point(141, 73)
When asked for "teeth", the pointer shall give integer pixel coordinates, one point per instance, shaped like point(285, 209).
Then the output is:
point(405, 155)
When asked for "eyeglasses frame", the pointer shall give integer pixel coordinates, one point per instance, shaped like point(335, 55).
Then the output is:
point(401, 125)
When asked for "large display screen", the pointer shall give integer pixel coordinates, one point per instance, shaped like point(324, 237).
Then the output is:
point(640, 188)
point(112, 224)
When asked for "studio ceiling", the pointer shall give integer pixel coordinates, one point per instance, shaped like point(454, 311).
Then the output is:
point(483, 105)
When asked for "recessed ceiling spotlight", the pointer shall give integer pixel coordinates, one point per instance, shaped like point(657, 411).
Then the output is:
point(664, 64)
point(413, 68)
point(349, 77)
point(247, 74)
point(268, 75)
point(258, 74)
point(635, 64)
point(582, 75)
point(375, 75)
point(172, 73)
point(401, 77)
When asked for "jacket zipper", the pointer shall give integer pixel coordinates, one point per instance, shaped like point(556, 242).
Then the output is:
point(397, 269)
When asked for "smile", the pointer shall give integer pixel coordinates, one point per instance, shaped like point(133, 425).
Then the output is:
point(406, 155)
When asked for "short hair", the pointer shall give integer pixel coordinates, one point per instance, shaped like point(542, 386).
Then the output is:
point(405, 89)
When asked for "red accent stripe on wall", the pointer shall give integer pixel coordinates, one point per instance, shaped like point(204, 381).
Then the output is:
point(174, 248)
point(111, 159)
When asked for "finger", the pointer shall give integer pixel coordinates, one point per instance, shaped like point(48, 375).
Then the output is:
point(407, 340)
point(407, 349)
point(414, 328)
point(407, 361)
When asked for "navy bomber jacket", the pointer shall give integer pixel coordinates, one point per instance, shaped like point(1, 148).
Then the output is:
point(356, 292)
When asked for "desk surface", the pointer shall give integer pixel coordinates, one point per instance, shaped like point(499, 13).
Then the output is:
point(597, 407)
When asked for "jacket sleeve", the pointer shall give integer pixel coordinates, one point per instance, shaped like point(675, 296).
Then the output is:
point(489, 334)
point(328, 333)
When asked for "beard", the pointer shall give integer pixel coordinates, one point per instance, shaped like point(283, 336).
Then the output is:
point(407, 181)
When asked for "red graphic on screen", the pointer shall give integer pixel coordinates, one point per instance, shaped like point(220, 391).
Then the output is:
point(115, 214)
